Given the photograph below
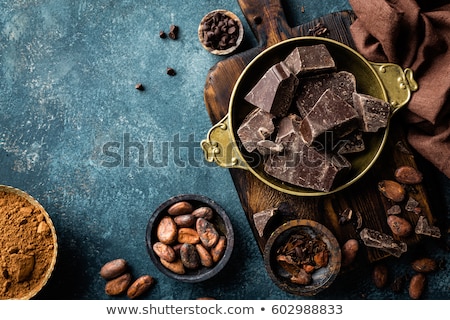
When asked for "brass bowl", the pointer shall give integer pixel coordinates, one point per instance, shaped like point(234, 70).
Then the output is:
point(385, 81)
point(33, 288)
point(321, 278)
point(221, 222)
point(218, 51)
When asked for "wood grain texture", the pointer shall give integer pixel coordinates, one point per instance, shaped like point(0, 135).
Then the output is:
point(268, 22)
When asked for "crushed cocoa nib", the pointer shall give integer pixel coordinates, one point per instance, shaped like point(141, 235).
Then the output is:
point(318, 30)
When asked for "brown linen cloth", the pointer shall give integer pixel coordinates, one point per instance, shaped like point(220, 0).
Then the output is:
point(416, 35)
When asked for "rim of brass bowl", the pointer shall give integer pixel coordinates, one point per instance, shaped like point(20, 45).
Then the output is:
point(220, 220)
point(367, 81)
point(240, 35)
point(322, 278)
point(46, 276)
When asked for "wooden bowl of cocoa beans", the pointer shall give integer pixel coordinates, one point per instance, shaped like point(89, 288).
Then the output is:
point(302, 257)
point(190, 238)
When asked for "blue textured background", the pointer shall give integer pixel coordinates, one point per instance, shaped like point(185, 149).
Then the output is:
point(67, 75)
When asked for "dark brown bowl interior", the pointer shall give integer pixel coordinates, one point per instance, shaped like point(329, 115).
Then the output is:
point(221, 222)
point(322, 278)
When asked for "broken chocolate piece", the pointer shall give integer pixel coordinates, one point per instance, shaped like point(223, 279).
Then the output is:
point(423, 227)
point(310, 59)
point(302, 165)
point(310, 89)
point(376, 239)
point(352, 143)
point(330, 113)
point(257, 125)
point(411, 204)
point(275, 91)
point(261, 219)
point(374, 113)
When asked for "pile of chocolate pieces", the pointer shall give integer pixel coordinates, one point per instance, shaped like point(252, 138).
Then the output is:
point(308, 116)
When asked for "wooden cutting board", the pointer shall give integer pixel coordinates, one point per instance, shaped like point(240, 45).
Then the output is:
point(269, 25)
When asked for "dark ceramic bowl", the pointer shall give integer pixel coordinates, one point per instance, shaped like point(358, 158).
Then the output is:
point(322, 278)
point(221, 222)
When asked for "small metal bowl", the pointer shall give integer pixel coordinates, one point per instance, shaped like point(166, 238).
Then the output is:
point(47, 265)
point(322, 278)
point(221, 222)
point(202, 32)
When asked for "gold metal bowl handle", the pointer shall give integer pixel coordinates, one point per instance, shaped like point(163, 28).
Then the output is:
point(219, 146)
point(399, 84)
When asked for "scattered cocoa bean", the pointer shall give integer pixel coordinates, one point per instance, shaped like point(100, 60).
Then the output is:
point(424, 265)
point(380, 275)
point(408, 175)
point(219, 249)
point(164, 251)
point(188, 235)
point(203, 212)
point(207, 232)
point(175, 266)
point(166, 231)
point(113, 269)
point(179, 208)
point(349, 251)
point(118, 285)
point(140, 286)
point(206, 259)
point(184, 220)
point(417, 285)
point(189, 256)
point(399, 226)
point(392, 190)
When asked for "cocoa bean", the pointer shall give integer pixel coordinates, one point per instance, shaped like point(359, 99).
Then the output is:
point(399, 226)
point(424, 265)
point(349, 251)
point(203, 212)
point(175, 266)
point(184, 220)
point(206, 259)
point(164, 251)
point(219, 249)
point(119, 285)
point(179, 208)
point(380, 275)
point(189, 256)
point(417, 286)
point(113, 269)
point(188, 235)
point(140, 286)
point(166, 231)
point(207, 232)
point(392, 190)
point(408, 175)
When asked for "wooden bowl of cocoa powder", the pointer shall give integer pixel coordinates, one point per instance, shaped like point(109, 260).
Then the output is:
point(28, 245)
point(169, 246)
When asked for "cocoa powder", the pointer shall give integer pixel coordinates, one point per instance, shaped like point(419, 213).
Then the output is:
point(27, 246)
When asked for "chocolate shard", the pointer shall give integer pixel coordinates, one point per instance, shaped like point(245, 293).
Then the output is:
point(374, 113)
point(257, 125)
point(376, 239)
point(423, 227)
point(275, 91)
point(310, 89)
point(330, 114)
point(310, 59)
point(261, 219)
point(302, 165)
point(351, 143)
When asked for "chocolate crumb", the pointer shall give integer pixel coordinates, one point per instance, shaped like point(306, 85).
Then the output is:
point(162, 34)
point(173, 33)
point(139, 87)
point(171, 71)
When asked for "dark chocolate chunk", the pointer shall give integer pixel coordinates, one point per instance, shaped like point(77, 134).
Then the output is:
point(275, 91)
point(302, 165)
point(330, 113)
point(310, 89)
point(309, 60)
point(351, 143)
point(376, 239)
point(262, 218)
point(374, 113)
point(257, 125)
